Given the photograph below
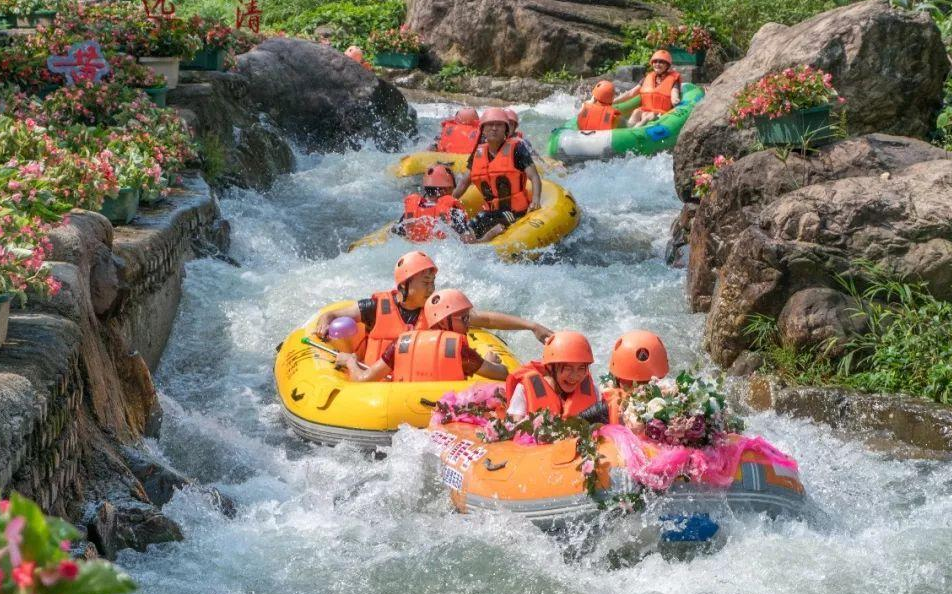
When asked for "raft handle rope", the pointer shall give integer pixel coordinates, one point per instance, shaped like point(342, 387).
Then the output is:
point(494, 467)
point(426, 402)
point(320, 347)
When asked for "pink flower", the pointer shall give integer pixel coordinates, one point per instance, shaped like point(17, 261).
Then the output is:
point(537, 422)
point(68, 570)
point(14, 530)
point(22, 574)
point(524, 439)
point(65, 546)
point(4, 503)
point(588, 467)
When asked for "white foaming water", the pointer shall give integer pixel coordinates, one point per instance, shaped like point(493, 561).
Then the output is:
point(315, 520)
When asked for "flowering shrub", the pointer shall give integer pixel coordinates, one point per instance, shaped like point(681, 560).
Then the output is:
point(23, 65)
point(127, 72)
point(22, 254)
point(778, 94)
point(402, 41)
point(213, 34)
point(686, 411)
point(34, 556)
point(26, 7)
point(172, 38)
point(692, 38)
point(705, 176)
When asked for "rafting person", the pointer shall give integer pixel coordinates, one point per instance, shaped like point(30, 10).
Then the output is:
point(387, 314)
point(440, 354)
point(422, 212)
point(459, 134)
point(500, 168)
point(637, 357)
point(561, 382)
point(357, 55)
point(660, 90)
point(598, 112)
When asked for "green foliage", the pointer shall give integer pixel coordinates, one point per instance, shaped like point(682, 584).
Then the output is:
point(213, 157)
point(559, 76)
point(447, 79)
point(907, 347)
point(636, 45)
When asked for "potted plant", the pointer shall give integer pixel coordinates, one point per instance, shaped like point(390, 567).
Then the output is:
point(126, 72)
point(162, 43)
point(396, 48)
point(791, 107)
point(687, 44)
point(22, 255)
point(217, 40)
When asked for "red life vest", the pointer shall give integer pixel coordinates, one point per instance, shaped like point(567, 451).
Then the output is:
point(539, 394)
point(657, 98)
point(458, 138)
point(612, 397)
point(420, 219)
point(597, 116)
point(388, 325)
point(503, 185)
point(429, 356)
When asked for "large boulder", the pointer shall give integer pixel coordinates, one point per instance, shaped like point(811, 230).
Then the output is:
point(323, 99)
point(901, 222)
point(819, 317)
point(744, 188)
point(528, 37)
point(889, 64)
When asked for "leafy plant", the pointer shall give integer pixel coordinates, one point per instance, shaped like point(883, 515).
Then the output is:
point(779, 93)
point(402, 40)
point(705, 176)
point(693, 38)
point(558, 76)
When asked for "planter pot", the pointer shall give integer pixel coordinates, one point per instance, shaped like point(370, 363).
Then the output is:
point(810, 126)
point(7, 21)
point(151, 197)
point(682, 57)
point(121, 209)
point(157, 95)
point(42, 17)
point(167, 67)
point(207, 59)
point(397, 60)
point(5, 299)
point(23, 22)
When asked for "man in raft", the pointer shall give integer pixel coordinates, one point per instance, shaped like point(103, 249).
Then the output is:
point(388, 314)
point(660, 90)
point(460, 134)
point(560, 382)
point(422, 212)
point(500, 168)
point(598, 113)
point(440, 354)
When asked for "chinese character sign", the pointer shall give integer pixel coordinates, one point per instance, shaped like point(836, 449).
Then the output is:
point(83, 62)
point(156, 9)
point(248, 10)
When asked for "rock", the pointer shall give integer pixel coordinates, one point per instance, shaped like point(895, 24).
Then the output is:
point(323, 99)
point(674, 253)
point(743, 189)
point(819, 318)
point(805, 238)
point(130, 526)
point(529, 37)
point(160, 481)
point(747, 363)
point(865, 46)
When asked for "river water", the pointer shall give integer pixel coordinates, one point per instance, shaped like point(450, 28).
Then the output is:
point(319, 520)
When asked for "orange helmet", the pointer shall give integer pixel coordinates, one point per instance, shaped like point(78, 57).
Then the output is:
point(439, 176)
point(443, 304)
point(662, 55)
point(638, 356)
point(467, 115)
point(567, 347)
point(513, 117)
point(495, 114)
point(604, 92)
point(411, 264)
point(354, 53)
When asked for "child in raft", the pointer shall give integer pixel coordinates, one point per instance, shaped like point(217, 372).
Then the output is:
point(637, 357)
point(423, 212)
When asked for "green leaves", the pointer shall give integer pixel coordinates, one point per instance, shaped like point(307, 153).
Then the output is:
point(99, 577)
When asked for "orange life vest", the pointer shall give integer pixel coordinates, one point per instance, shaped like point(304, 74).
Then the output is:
point(388, 325)
point(612, 398)
point(419, 220)
point(458, 138)
point(596, 116)
point(657, 98)
point(540, 395)
point(429, 356)
point(503, 185)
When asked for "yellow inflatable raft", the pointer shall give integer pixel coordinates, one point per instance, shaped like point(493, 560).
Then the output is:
point(418, 163)
point(558, 217)
point(322, 405)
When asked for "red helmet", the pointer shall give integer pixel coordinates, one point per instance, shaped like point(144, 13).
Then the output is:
point(439, 176)
point(467, 115)
point(513, 117)
point(604, 92)
point(497, 115)
point(354, 53)
point(411, 264)
point(638, 356)
point(443, 304)
point(567, 347)
point(662, 56)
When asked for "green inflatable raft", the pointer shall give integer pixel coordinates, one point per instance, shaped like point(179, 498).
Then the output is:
point(569, 144)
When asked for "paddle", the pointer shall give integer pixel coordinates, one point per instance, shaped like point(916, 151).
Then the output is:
point(329, 351)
